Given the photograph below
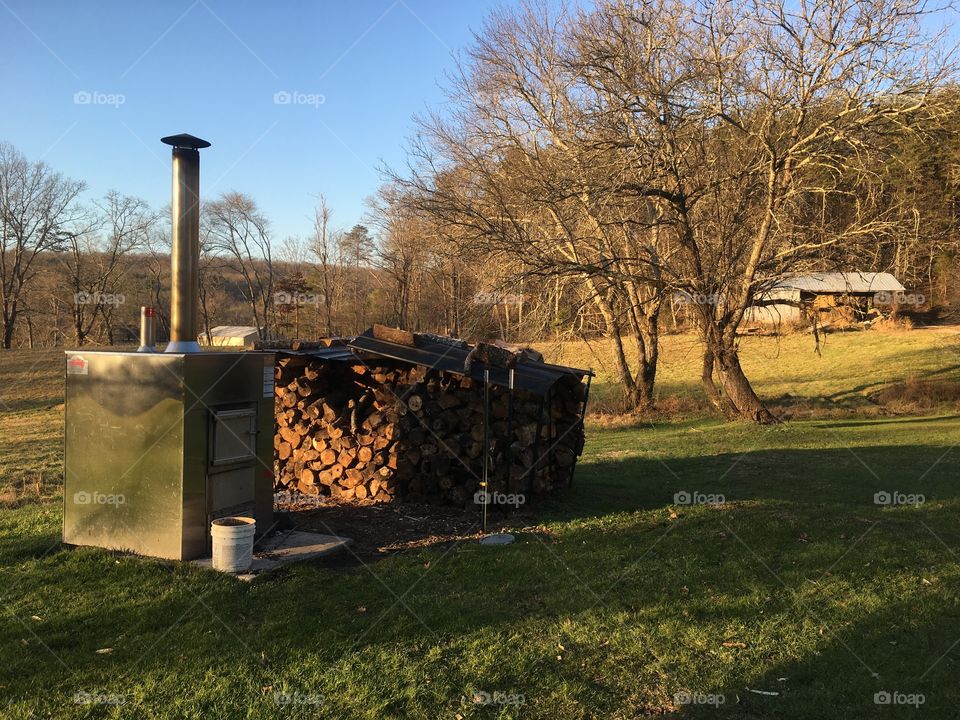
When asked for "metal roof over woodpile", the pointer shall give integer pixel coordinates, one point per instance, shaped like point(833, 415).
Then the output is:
point(445, 354)
point(832, 283)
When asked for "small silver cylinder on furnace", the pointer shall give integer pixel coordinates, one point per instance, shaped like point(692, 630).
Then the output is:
point(148, 330)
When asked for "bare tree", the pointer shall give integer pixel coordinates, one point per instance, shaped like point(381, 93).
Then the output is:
point(734, 116)
point(326, 248)
point(239, 231)
point(518, 172)
point(96, 260)
point(38, 212)
point(652, 146)
point(401, 252)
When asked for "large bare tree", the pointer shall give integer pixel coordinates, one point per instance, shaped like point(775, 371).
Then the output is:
point(38, 212)
point(96, 260)
point(239, 232)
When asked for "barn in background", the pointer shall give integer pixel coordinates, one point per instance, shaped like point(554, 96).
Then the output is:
point(826, 296)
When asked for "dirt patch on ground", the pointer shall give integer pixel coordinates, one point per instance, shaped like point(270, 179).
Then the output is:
point(386, 528)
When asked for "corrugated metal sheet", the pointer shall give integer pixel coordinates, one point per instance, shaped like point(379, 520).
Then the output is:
point(241, 331)
point(333, 354)
point(533, 377)
point(832, 283)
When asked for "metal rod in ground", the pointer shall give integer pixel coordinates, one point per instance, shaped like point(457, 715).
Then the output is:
point(508, 451)
point(486, 445)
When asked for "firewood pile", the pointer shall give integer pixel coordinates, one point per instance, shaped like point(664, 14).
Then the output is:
point(359, 426)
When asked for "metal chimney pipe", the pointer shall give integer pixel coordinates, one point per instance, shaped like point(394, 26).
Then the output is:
point(185, 251)
point(148, 330)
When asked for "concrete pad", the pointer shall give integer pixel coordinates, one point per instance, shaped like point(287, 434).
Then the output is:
point(284, 548)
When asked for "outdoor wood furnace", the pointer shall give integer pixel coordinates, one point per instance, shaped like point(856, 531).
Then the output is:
point(157, 445)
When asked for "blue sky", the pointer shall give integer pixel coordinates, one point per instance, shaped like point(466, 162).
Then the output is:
point(212, 68)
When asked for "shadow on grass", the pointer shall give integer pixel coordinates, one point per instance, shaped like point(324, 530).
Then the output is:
point(799, 567)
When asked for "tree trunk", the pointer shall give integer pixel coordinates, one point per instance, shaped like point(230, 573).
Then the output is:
point(8, 324)
point(738, 390)
point(710, 388)
point(648, 351)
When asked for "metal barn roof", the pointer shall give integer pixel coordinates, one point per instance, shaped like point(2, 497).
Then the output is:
point(233, 331)
point(855, 282)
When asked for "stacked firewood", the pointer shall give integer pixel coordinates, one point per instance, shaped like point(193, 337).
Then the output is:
point(374, 431)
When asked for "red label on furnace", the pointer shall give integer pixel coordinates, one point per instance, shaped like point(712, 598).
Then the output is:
point(77, 365)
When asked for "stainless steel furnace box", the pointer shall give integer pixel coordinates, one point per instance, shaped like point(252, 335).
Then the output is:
point(158, 445)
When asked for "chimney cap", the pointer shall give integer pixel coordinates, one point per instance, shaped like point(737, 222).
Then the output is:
point(185, 140)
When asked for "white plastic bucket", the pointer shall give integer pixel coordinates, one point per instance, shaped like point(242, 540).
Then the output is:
point(233, 543)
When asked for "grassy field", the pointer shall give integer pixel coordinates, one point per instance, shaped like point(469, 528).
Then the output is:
point(786, 591)
point(850, 370)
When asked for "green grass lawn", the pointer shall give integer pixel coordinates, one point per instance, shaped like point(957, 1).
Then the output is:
point(797, 597)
